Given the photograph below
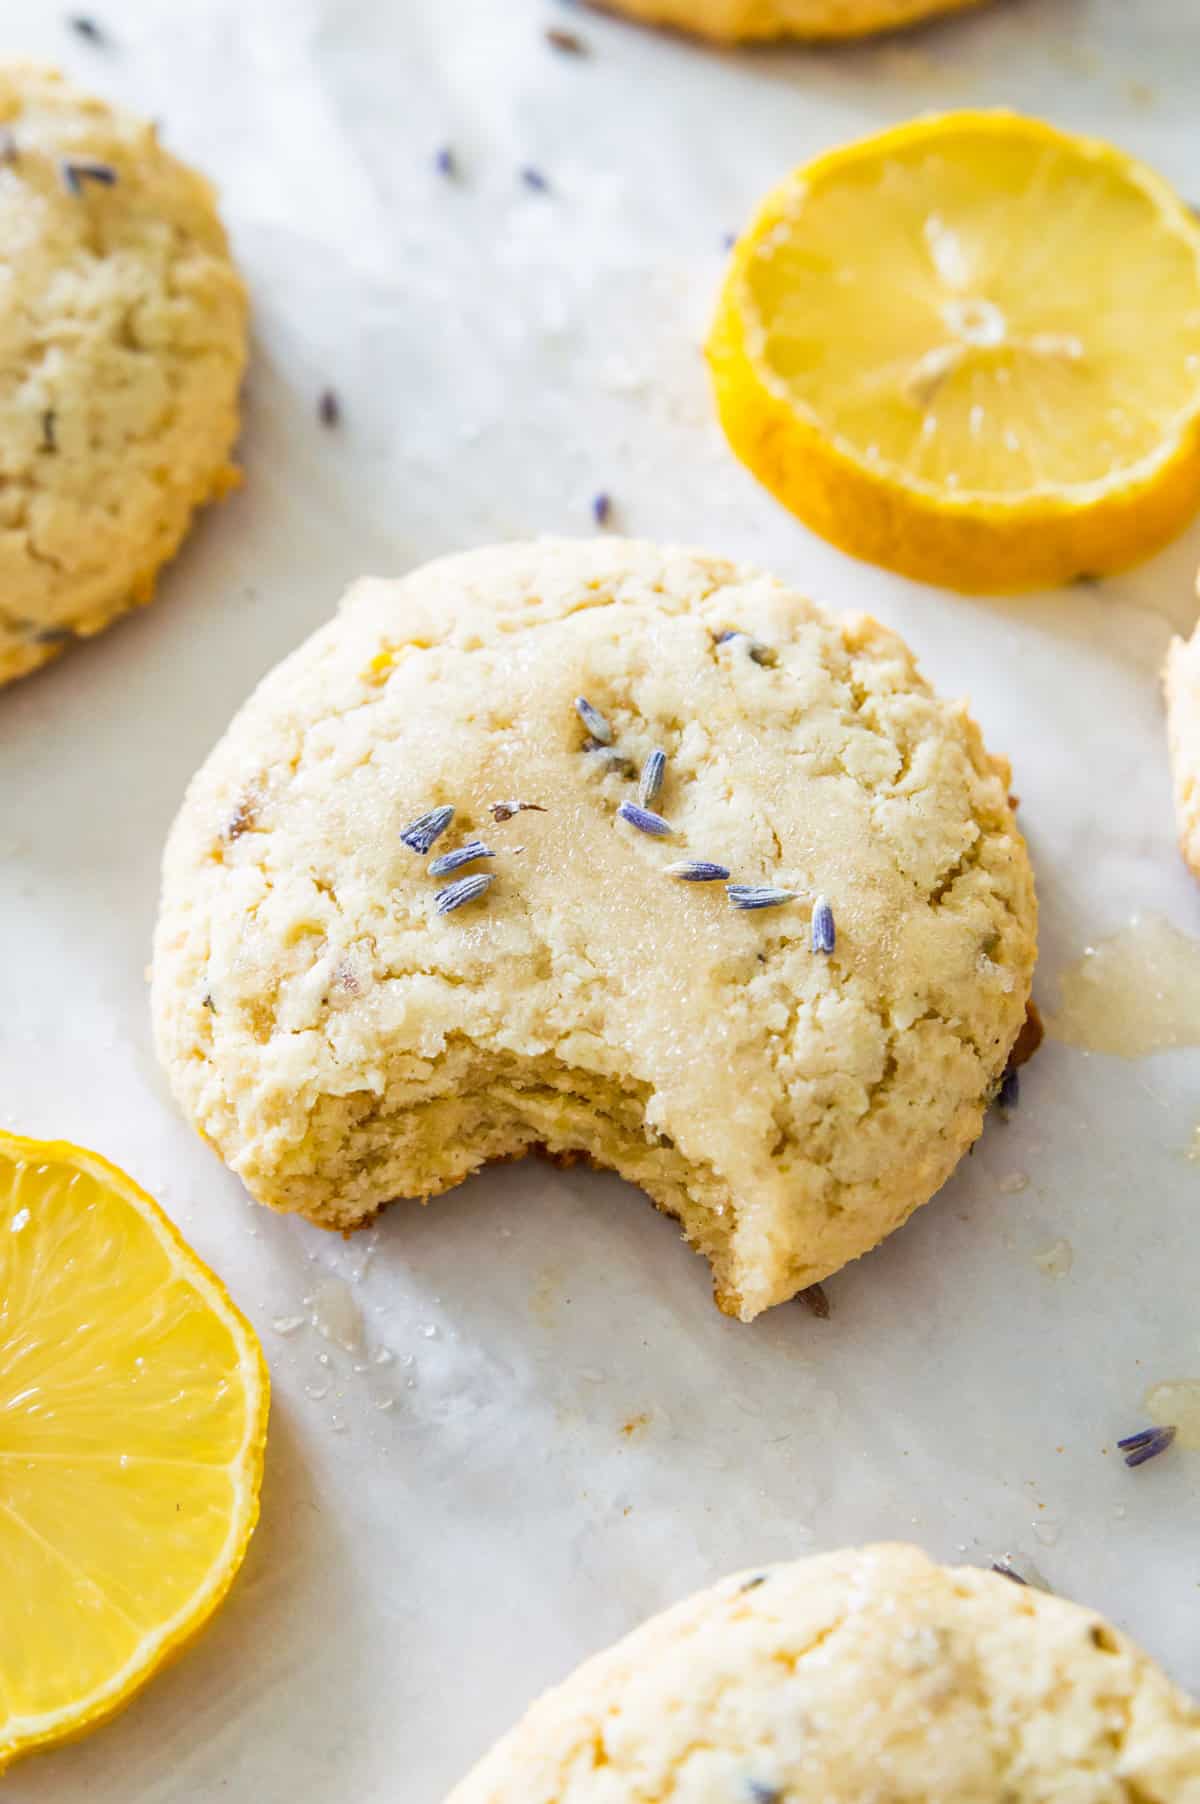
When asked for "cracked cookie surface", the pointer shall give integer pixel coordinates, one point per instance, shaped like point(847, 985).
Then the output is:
point(342, 1044)
point(123, 324)
point(727, 21)
point(863, 1677)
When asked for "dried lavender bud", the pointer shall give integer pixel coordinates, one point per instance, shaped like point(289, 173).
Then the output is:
point(593, 720)
point(533, 178)
point(467, 889)
point(752, 1584)
point(653, 771)
point(1148, 1443)
point(824, 933)
point(329, 408)
point(602, 509)
point(49, 434)
point(504, 811)
point(755, 649)
point(420, 834)
point(644, 820)
point(466, 854)
point(565, 41)
point(85, 27)
point(760, 1793)
point(75, 172)
point(728, 240)
point(696, 870)
point(1021, 1571)
point(758, 895)
point(445, 163)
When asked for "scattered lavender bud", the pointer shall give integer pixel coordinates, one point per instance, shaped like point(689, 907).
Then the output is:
point(651, 782)
point(824, 933)
point(696, 870)
point(593, 720)
point(85, 27)
point(602, 509)
point(759, 1793)
point(466, 889)
point(420, 834)
point(466, 854)
point(1148, 1443)
point(445, 163)
point(76, 171)
point(752, 1584)
point(566, 41)
point(644, 820)
point(329, 408)
point(504, 811)
point(758, 895)
point(1009, 1093)
point(728, 240)
point(755, 649)
point(1021, 1570)
point(533, 178)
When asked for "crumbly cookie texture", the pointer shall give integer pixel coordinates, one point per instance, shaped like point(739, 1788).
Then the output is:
point(123, 324)
point(342, 1044)
point(865, 1677)
point(727, 21)
point(1181, 680)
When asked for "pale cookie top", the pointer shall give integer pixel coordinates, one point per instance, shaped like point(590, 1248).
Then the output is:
point(869, 1677)
point(1182, 683)
point(299, 956)
point(122, 332)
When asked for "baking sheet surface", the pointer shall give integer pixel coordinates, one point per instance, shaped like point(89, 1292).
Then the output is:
point(566, 1435)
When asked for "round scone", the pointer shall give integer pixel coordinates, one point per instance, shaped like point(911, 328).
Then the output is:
point(343, 1043)
point(728, 21)
point(123, 324)
point(865, 1677)
point(1181, 680)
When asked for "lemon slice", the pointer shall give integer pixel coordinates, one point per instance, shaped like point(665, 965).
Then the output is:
point(969, 349)
point(133, 1410)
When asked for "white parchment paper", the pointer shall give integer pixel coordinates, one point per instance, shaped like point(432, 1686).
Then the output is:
point(567, 1435)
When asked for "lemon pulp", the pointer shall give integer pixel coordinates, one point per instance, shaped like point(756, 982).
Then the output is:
point(133, 1404)
point(971, 316)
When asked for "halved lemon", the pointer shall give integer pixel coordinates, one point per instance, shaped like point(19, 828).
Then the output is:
point(133, 1412)
point(968, 349)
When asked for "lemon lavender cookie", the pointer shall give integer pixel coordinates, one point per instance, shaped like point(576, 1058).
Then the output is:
point(730, 20)
point(124, 326)
point(855, 1678)
point(1181, 680)
point(608, 849)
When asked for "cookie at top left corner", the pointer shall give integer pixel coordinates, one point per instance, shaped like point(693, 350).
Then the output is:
point(123, 326)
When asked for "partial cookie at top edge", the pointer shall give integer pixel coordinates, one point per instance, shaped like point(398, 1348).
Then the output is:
point(730, 21)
